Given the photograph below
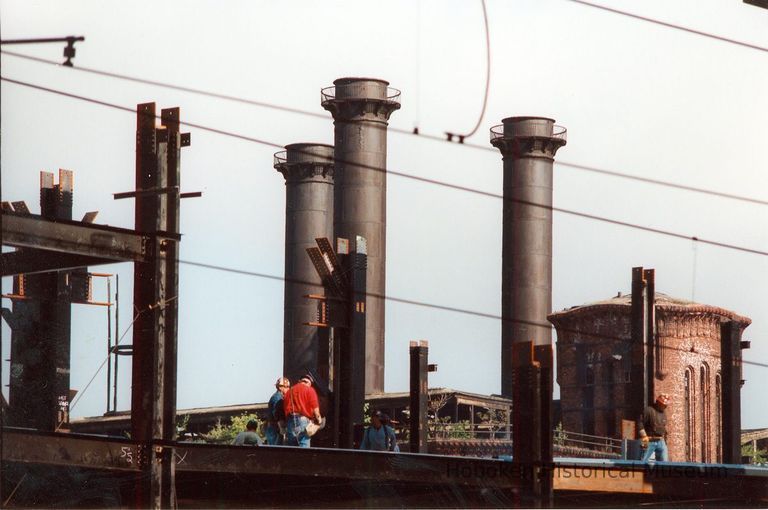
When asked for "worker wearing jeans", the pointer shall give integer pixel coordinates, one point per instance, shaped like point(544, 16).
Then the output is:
point(301, 405)
point(653, 429)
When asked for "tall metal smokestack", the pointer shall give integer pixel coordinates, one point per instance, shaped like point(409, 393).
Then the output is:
point(308, 171)
point(528, 146)
point(361, 108)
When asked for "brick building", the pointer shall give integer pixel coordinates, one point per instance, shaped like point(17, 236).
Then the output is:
point(594, 371)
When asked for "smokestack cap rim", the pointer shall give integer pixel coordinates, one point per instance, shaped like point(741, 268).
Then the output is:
point(522, 118)
point(352, 79)
point(360, 89)
point(299, 145)
point(303, 154)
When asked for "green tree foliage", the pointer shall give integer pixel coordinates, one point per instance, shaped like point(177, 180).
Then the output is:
point(759, 456)
point(225, 434)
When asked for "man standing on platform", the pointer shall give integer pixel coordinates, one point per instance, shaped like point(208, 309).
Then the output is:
point(301, 406)
point(276, 414)
point(653, 429)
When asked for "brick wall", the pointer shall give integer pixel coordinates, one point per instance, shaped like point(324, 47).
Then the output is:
point(593, 354)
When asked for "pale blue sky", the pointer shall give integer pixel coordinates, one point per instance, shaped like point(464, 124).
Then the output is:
point(636, 98)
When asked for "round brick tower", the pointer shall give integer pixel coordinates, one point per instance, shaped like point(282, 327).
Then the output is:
point(594, 371)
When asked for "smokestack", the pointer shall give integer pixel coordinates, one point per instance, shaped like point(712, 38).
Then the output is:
point(528, 146)
point(308, 171)
point(361, 108)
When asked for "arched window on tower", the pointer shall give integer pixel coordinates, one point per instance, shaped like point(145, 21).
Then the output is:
point(687, 394)
point(719, 417)
point(704, 411)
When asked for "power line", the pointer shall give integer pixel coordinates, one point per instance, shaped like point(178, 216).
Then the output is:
point(417, 178)
point(671, 25)
point(397, 130)
point(433, 306)
point(487, 78)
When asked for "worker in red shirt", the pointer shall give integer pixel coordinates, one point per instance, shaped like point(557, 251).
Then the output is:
point(301, 407)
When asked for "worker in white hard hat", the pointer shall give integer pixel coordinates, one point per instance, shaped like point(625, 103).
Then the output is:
point(275, 429)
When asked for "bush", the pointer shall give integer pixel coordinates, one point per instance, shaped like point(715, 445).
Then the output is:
point(225, 434)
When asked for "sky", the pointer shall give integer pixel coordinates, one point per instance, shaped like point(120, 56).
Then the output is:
point(636, 98)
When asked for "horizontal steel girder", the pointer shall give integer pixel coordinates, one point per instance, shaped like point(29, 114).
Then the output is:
point(28, 261)
point(77, 238)
point(63, 449)
point(27, 446)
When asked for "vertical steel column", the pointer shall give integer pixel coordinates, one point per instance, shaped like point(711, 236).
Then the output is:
point(649, 275)
point(639, 337)
point(361, 108)
point(40, 335)
point(349, 349)
point(731, 362)
point(531, 426)
point(153, 399)
point(419, 352)
point(144, 283)
point(528, 146)
point(308, 172)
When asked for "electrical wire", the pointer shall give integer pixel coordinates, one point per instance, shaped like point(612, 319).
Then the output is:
point(671, 25)
point(390, 298)
point(426, 136)
point(426, 180)
point(101, 366)
point(487, 77)
point(432, 306)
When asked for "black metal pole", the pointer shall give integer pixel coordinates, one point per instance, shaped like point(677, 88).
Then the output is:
point(419, 352)
point(730, 356)
point(109, 340)
point(639, 324)
point(649, 276)
point(43, 40)
point(117, 340)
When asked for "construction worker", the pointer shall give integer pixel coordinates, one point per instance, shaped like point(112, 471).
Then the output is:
point(249, 437)
point(653, 429)
point(379, 436)
point(301, 407)
point(275, 429)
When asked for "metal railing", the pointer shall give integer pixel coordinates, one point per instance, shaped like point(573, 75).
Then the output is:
point(564, 438)
point(280, 158)
point(329, 94)
point(561, 438)
point(559, 132)
point(464, 430)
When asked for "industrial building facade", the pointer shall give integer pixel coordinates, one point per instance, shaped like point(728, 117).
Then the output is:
point(594, 353)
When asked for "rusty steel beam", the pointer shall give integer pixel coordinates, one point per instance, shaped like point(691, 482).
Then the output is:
point(639, 335)
point(419, 355)
point(62, 449)
point(155, 293)
point(30, 261)
point(649, 275)
point(30, 451)
point(31, 231)
point(39, 387)
point(731, 365)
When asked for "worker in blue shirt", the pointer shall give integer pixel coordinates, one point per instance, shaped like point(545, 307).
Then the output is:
point(379, 436)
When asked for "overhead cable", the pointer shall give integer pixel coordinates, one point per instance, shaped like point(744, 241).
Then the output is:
point(415, 177)
point(262, 104)
point(487, 80)
point(671, 25)
point(423, 304)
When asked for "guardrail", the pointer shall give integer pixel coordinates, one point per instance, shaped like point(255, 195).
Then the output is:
point(329, 94)
point(559, 132)
point(280, 158)
point(562, 438)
